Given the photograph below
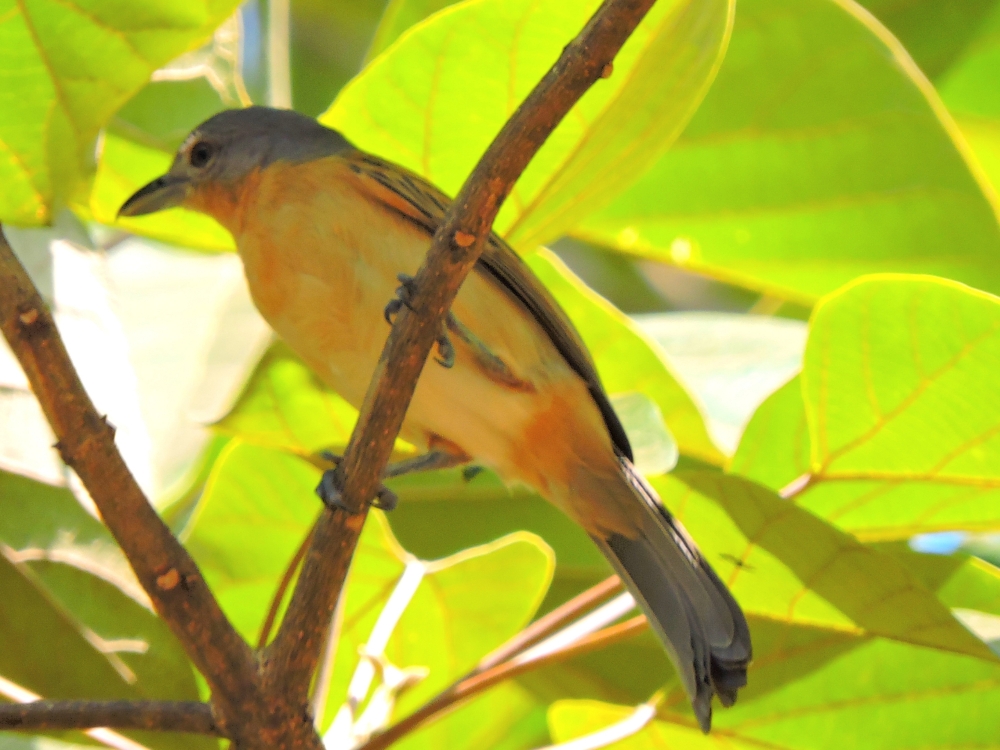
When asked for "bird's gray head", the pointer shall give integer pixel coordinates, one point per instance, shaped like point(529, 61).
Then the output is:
point(227, 147)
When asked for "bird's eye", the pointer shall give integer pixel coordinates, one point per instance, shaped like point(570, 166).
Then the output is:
point(200, 154)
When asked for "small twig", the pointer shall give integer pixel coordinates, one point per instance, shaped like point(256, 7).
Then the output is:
point(86, 443)
point(632, 724)
point(279, 594)
point(548, 624)
point(164, 716)
point(477, 683)
point(291, 659)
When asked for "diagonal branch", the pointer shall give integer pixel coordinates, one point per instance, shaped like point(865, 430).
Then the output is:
point(164, 716)
point(86, 443)
point(291, 659)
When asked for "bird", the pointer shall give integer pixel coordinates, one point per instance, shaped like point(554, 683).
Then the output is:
point(331, 237)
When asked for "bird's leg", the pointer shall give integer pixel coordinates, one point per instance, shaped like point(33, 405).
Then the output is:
point(404, 294)
point(385, 499)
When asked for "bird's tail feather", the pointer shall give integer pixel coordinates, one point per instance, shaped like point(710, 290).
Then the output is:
point(688, 607)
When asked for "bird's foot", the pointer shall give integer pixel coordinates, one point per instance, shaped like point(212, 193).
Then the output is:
point(404, 296)
point(329, 491)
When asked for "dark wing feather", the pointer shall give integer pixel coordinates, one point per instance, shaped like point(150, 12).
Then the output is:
point(424, 205)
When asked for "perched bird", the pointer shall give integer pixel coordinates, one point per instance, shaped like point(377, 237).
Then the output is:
point(327, 233)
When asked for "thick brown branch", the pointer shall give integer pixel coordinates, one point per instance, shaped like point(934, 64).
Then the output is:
point(292, 658)
point(86, 443)
point(164, 716)
point(481, 681)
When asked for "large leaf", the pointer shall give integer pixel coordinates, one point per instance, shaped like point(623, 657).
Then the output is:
point(81, 625)
point(433, 102)
point(895, 433)
point(879, 695)
point(65, 67)
point(784, 563)
point(798, 173)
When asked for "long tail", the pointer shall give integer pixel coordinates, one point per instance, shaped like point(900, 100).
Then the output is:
point(691, 611)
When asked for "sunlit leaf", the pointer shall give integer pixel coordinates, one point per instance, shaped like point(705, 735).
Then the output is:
point(68, 592)
point(894, 437)
point(429, 104)
point(783, 562)
point(65, 68)
point(799, 171)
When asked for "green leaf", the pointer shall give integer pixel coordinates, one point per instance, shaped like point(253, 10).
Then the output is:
point(775, 449)
point(626, 358)
point(400, 15)
point(82, 625)
point(126, 166)
point(879, 695)
point(782, 562)
point(65, 69)
point(285, 405)
point(896, 383)
point(798, 173)
point(426, 104)
point(895, 436)
point(936, 33)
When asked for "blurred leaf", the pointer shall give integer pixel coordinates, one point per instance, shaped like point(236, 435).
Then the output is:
point(125, 167)
point(398, 16)
point(82, 625)
point(782, 562)
point(66, 68)
point(285, 405)
point(798, 172)
point(729, 362)
point(936, 33)
point(653, 447)
point(428, 105)
point(958, 46)
point(627, 359)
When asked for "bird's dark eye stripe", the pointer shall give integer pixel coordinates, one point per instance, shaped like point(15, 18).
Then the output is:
point(200, 154)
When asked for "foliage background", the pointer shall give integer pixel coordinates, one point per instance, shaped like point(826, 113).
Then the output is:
point(785, 266)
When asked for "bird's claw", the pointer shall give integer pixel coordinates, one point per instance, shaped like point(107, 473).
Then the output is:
point(328, 491)
point(446, 350)
point(404, 293)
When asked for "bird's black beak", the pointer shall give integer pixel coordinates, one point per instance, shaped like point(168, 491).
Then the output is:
point(163, 192)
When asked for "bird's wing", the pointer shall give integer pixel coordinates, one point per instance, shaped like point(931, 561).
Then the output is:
point(419, 202)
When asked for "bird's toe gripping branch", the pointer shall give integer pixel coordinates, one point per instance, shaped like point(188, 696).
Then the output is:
point(404, 295)
point(328, 490)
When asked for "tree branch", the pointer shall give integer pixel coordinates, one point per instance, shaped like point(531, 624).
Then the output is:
point(86, 443)
point(292, 657)
point(164, 716)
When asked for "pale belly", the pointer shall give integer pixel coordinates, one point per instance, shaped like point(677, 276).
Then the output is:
point(327, 303)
